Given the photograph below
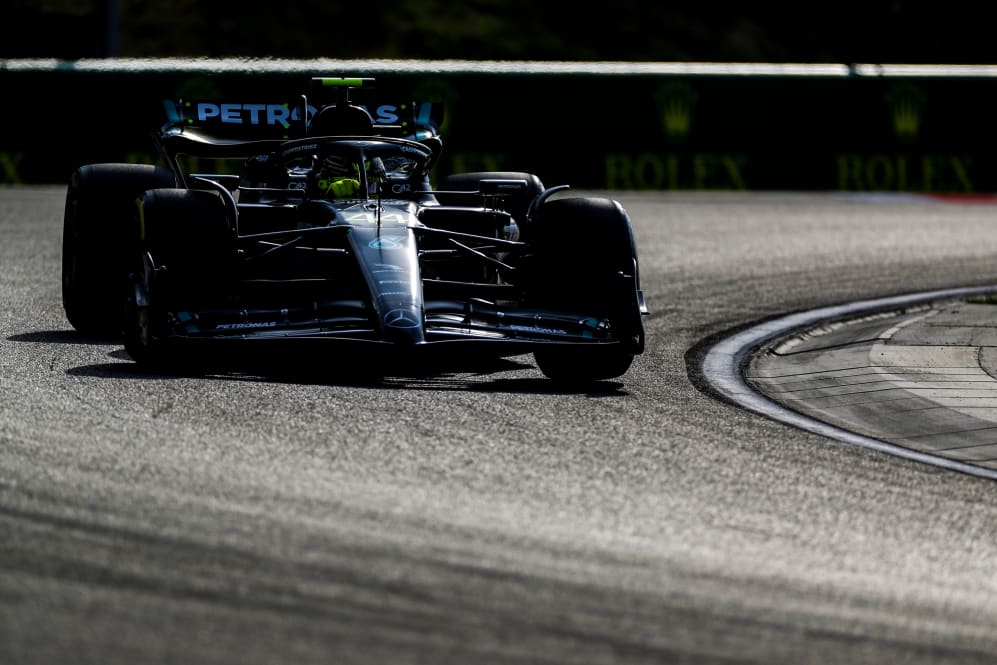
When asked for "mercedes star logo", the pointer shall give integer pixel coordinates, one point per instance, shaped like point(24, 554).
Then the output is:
point(401, 318)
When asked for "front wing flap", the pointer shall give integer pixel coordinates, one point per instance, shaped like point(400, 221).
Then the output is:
point(471, 321)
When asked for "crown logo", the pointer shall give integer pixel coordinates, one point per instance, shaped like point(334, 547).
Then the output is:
point(906, 109)
point(675, 103)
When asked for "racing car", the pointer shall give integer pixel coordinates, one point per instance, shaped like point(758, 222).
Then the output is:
point(321, 225)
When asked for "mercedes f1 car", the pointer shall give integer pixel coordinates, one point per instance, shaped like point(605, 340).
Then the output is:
point(322, 226)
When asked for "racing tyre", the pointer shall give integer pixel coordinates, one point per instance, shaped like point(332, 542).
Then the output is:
point(584, 258)
point(184, 259)
point(517, 205)
point(98, 240)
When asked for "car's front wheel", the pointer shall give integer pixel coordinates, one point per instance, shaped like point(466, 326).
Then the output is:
point(184, 260)
point(584, 259)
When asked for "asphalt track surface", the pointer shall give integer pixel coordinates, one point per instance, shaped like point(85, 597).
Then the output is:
point(482, 516)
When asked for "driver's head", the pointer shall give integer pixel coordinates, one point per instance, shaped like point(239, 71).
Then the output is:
point(335, 166)
point(337, 177)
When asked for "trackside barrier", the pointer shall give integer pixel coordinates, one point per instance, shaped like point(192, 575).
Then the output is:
point(613, 126)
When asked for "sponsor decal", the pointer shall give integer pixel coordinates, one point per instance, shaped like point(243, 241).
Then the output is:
point(676, 101)
point(401, 318)
point(676, 170)
point(410, 150)
point(538, 330)
point(284, 114)
point(906, 102)
point(242, 326)
point(249, 114)
point(392, 114)
point(387, 242)
point(906, 172)
point(311, 147)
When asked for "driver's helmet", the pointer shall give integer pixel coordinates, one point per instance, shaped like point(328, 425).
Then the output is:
point(336, 177)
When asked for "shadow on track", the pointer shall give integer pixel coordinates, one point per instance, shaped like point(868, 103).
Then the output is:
point(452, 372)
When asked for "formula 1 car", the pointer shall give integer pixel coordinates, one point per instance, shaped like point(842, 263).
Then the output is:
point(323, 227)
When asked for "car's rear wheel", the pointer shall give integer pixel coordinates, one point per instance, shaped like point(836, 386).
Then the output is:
point(184, 260)
point(584, 259)
point(97, 240)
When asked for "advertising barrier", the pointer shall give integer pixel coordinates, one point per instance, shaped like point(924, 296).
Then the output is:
point(613, 126)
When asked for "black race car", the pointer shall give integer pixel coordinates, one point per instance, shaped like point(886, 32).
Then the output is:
point(319, 225)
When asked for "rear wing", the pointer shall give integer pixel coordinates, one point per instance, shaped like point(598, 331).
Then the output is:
point(257, 120)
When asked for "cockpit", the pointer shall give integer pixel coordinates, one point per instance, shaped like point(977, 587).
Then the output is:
point(357, 168)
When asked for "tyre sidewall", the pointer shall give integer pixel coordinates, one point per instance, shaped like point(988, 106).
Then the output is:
point(98, 239)
point(583, 257)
